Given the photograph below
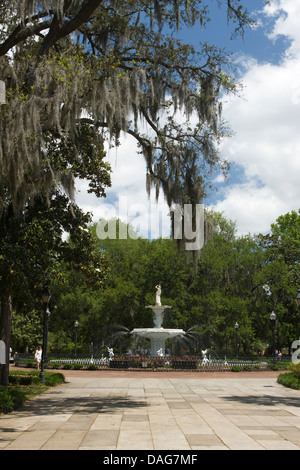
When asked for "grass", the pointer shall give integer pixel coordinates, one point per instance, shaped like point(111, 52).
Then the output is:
point(25, 385)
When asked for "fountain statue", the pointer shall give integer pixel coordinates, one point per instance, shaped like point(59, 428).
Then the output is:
point(158, 294)
point(158, 334)
point(205, 361)
point(111, 353)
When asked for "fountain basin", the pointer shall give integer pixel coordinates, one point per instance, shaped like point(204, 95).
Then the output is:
point(157, 336)
point(158, 311)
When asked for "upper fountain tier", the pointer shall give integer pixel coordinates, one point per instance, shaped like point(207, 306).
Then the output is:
point(158, 308)
point(159, 311)
point(158, 334)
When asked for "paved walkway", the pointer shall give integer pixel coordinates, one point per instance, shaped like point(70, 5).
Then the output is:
point(157, 412)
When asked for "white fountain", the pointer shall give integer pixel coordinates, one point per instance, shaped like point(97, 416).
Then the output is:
point(158, 334)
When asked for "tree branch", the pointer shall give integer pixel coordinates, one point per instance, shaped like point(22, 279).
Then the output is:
point(19, 35)
point(68, 27)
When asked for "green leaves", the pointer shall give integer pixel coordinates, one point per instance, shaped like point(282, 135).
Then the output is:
point(110, 61)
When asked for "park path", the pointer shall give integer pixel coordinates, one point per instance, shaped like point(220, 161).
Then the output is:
point(123, 410)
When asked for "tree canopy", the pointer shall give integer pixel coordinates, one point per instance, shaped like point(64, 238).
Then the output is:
point(228, 286)
point(110, 64)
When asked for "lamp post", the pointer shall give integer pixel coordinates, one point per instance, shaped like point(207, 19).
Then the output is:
point(236, 326)
point(45, 298)
point(76, 324)
point(273, 319)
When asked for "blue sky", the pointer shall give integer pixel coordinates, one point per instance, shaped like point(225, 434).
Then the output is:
point(254, 43)
point(265, 148)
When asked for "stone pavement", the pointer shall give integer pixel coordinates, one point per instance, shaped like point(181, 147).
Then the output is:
point(157, 412)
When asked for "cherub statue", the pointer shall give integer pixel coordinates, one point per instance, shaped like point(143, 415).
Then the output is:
point(111, 353)
point(204, 360)
point(160, 352)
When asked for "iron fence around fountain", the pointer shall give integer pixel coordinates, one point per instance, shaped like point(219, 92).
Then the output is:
point(155, 363)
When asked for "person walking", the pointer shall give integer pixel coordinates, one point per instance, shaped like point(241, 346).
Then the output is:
point(38, 356)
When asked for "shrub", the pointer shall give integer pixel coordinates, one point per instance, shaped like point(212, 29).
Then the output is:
point(55, 365)
point(67, 366)
point(24, 385)
point(289, 380)
point(278, 366)
point(247, 368)
point(54, 378)
point(23, 379)
point(92, 367)
point(295, 368)
point(20, 377)
point(10, 399)
point(78, 366)
point(236, 369)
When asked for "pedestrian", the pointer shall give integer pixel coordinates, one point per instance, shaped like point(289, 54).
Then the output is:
point(38, 356)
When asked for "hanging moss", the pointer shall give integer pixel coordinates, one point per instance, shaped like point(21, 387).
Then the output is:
point(78, 62)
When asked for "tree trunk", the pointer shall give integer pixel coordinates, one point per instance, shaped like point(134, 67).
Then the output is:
point(5, 333)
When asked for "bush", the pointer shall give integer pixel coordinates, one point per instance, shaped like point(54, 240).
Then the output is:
point(289, 379)
point(54, 378)
point(92, 367)
point(295, 368)
point(67, 366)
point(24, 385)
point(23, 379)
point(278, 366)
point(10, 399)
point(78, 366)
point(54, 365)
point(236, 369)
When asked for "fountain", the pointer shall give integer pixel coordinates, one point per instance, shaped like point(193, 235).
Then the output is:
point(158, 334)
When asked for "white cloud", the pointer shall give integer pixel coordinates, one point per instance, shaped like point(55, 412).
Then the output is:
point(127, 198)
point(251, 206)
point(266, 143)
point(287, 14)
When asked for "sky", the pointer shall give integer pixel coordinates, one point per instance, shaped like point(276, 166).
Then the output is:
point(264, 150)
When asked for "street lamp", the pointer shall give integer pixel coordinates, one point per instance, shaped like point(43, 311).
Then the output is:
point(45, 298)
point(236, 326)
point(273, 319)
point(76, 324)
point(297, 298)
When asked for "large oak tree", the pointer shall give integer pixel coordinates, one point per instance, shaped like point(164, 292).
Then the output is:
point(109, 65)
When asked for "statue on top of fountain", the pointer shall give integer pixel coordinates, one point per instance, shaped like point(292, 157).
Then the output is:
point(158, 308)
point(158, 334)
point(158, 294)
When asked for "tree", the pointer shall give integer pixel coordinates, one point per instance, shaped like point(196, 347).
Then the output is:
point(31, 238)
point(281, 274)
point(137, 265)
point(221, 293)
point(228, 286)
point(31, 249)
point(59, 57)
